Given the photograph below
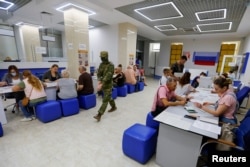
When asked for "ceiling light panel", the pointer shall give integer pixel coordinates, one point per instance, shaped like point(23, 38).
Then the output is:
point(70, 5)
point(28, 24)
point(169, 27)
point(211, 15)
point(5, 5)
point(213, 27)
point(159, 12)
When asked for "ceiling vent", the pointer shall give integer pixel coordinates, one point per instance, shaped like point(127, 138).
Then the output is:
point(193, 29)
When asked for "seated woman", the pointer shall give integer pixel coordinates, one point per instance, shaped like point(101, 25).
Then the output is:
point(119, 79)
point(33, 89)
point(196, 80)
point(226, 106)
point(13, 77)
point(52, 74)
point(184, 87)
point(66, 86)
point(165, 96)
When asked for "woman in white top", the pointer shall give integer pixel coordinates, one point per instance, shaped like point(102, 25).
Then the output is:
point(184, 87)
point(33, 89)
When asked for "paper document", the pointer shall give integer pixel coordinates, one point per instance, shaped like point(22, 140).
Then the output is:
point(173, 120)
point(209, 119)
point(51, 84)
point(207, 127)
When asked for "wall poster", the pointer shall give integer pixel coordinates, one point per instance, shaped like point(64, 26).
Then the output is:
point(83, 58)
point(131, 59)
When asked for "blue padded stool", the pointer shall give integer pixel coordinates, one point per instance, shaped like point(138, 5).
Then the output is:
point(114, 93)
point(150, 122)
point(122, 91)
point(139, 142)
point(48, 111)
point(87, 101)
point(140, 86)
point(1, 130)
point(131, 88)
point(69, 106)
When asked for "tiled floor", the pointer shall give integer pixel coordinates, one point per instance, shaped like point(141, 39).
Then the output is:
point(76, 141)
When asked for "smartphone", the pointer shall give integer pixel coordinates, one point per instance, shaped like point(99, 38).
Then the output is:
point(190, 117)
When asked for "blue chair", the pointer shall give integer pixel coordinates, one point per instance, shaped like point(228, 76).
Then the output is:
point(87, 101)
point(150, 122)
point(139, 142)
point(48, 111)
point(122, 91)
point(140, 86)
point(131, 88)
point(1, 130)
point(69, 106)
point(242, 93)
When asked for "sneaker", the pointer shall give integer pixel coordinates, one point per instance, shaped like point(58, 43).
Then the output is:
point(33, 117)
point(25, 119)
point(112, 109)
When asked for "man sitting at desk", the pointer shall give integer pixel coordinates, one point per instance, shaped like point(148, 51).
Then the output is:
point(85, 82)
point(165, 96)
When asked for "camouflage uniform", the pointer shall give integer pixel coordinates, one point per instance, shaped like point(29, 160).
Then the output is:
point(105, 76)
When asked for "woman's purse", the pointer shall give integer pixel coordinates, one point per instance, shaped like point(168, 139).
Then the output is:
point(25, 100)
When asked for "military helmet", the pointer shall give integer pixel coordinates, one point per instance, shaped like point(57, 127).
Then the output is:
point(104, 54)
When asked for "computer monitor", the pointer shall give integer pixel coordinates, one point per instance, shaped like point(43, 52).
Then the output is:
point(205, 82)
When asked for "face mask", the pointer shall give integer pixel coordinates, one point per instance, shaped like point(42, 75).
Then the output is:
point(13, 74)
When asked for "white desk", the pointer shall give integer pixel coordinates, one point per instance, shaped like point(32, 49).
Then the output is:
point(5, 89)
point(179, 138)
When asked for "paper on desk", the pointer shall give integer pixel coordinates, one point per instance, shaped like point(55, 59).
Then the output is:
point(173, 120)
point(207, 127)
point(210, 119)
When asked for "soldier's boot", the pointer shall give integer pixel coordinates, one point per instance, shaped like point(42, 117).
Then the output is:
point(112, 109)
point(98, 117)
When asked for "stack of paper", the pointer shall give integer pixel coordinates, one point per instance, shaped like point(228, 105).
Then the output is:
point(207, 127)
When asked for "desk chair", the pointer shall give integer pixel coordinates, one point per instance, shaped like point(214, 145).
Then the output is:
point(242, 94)
point(13, 105)
point(241, 142)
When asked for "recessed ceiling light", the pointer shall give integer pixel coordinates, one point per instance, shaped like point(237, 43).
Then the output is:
point(200, 27)
point(5, 5)
point(172, 5)
point(168, 27)
point(90, 26)
point(28, 24)
point(210, 12)
point(70, 5)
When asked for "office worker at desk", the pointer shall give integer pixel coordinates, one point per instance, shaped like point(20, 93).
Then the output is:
point(52, 74)
point(226, 106)
point(179, 65)
point(33, 89)
point(165, 96)
point(13, 77)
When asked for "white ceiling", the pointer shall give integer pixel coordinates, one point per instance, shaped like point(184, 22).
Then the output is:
point(106, 13)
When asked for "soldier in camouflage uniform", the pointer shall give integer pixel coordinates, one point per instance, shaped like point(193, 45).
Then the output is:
point(105, 77)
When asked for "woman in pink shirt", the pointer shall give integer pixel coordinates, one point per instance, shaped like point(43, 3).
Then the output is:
point(226, 106)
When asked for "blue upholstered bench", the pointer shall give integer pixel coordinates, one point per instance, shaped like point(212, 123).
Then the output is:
point(114, 93)
point(1, 130)
point(150, 122)
point(122, 91)
point(87, 101)
point(48, 111)
point(139, 142)
point(131, 88)
point(69, 106)
point(140, 86)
